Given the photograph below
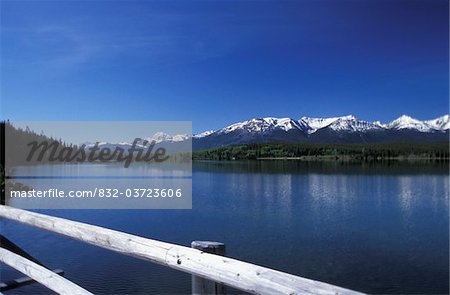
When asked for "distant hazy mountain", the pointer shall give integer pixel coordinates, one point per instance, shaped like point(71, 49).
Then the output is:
point(172, 143)
point(346, 129)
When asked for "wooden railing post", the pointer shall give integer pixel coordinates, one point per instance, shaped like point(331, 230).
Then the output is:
point(201, 286)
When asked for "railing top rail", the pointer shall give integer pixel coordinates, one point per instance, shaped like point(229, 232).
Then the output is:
point(237, 274)
point(40, 274)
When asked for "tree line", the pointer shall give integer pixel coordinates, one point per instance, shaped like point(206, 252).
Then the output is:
point(17, 142)
point(26, 147)
point(363, 152)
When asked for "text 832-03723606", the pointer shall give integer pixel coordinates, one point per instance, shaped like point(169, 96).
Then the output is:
point(100, 193)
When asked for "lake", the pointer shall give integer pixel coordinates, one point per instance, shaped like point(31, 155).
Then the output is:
point(377, 228)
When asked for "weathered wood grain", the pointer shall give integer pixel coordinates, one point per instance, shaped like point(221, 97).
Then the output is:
point(16, 283)
point(40, 274)
point(201, 286)
point(237, 274)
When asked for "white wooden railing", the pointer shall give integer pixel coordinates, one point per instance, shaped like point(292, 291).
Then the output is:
point(223, 270)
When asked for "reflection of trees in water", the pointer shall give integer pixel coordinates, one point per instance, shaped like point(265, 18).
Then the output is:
point(9, 185)
point(306, 167)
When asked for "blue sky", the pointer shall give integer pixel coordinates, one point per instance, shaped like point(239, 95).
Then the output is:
point(219, 62)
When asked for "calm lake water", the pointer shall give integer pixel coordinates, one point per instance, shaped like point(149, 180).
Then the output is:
point(373, 228)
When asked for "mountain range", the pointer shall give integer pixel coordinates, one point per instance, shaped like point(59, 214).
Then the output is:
point(345, 129)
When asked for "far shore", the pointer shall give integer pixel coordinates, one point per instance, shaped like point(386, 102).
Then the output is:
point(357, 159)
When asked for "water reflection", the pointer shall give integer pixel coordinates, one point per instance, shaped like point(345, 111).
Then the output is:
point(373, 228)
point(331, 189)
point(405, 194)
point(412, 189)
point(101, 170)
point(264, 192)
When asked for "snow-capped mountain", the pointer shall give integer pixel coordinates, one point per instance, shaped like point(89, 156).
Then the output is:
point(441, 123)
point(344, 129)
point(346, 123)
point(203, 134)
point(102, 144)
point(159, 137)
point(406, 122)
point(262, 125)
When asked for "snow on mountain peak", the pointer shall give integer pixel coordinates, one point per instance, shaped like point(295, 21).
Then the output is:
point(262, 125)
point(407, 122)
point(160, 137)
point(283, 123)
point(311, 125)
point(441, 123)
point(348, 117)
point(164, 137)
point(203, 134)
point(348, 123)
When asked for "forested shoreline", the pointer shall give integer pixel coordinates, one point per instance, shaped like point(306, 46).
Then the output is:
point(350, 152)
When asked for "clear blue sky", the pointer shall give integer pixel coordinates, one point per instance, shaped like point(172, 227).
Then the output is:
point(219, 62)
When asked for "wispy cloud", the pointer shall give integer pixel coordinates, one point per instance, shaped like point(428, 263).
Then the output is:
point(52, 47)
point(69, 47)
